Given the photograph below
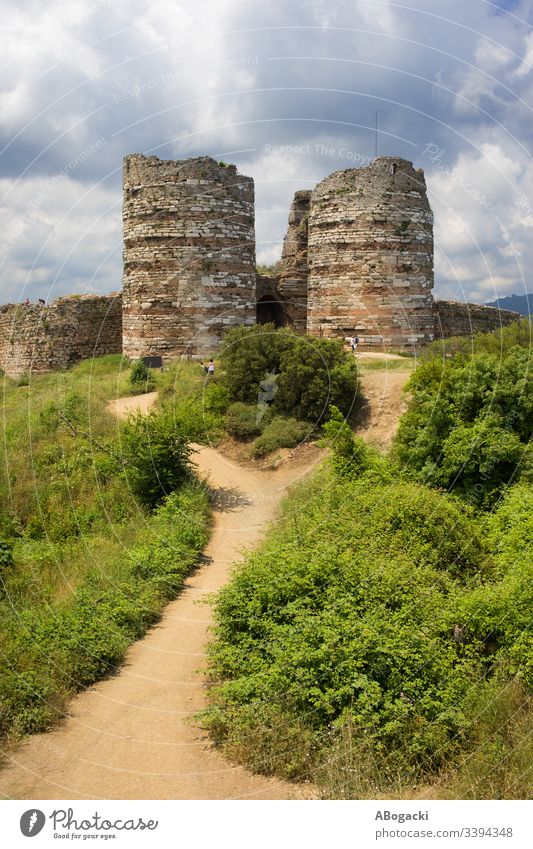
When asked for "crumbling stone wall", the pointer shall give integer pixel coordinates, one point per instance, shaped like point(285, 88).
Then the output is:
point(189, 255)
point(37, 339)
point(370, 255)
point(292, 286)
point(456, 318)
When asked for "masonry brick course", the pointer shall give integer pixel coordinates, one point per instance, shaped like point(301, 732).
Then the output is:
point(38, 339)
point(357, 259)
point(292, 286)
point(456, 318)
point(189, 255)
point(370, 255)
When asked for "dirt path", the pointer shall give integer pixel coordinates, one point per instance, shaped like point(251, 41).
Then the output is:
point(133, 736)
point(136, 404)
point(383, 392)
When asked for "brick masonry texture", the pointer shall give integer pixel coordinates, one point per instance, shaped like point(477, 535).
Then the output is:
point(189, 255)
point(292, 286)
point(37, 339)
point(357, 259)
point(454, 318)
point(371, 255)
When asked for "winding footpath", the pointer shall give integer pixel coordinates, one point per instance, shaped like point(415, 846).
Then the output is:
point(134, 736)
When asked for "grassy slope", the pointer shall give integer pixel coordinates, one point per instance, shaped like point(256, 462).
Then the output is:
point(92, 568)
point(314, 666)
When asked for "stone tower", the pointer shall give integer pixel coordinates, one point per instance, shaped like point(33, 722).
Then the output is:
point(292, 285)
point(371, 255)
point(189, 255)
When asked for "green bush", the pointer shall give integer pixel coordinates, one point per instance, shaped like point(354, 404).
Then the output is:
point(311, 374)
point(141, 379)
point(50, 651)
point(155, 454)
point(497, 342)
point(497, 616)
point(468, 423)
point(346, 614)
point(350, 455)
point(247, 354)
point(6, 559)
point(314, 375)
point(242, 420)
point(280, 433)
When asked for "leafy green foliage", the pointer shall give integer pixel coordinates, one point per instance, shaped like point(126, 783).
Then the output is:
point(280, 433)
point(53, 650)
point(316, 373)
point(242, 420)
point(312, 373)
point(350, 455)
point(85, 568)
point(498, 342)
point(141, 379)
point(247, 355)
point(346, 614)
point(497, 616)
point(156, 455)
point(6, 557)
point(58, 478)
point(468, 423)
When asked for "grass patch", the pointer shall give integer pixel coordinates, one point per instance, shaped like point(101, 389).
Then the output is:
point(374, 644)
point(100, 522)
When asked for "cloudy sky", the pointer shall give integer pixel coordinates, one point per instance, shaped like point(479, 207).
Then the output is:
point(286, 89)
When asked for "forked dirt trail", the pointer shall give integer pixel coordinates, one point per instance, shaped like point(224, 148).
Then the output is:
point(133, 736)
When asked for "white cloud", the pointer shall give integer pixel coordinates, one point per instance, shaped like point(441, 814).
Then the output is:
point(75, 73)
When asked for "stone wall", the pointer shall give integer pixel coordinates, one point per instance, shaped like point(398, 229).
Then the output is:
point(456, 318)
point(39, 339)
point(292, 285)
point(189, 255)
point(370, 255)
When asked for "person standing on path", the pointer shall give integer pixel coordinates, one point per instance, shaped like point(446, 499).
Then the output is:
point(211, 368)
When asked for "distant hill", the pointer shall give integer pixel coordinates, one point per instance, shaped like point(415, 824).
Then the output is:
point(519, 303)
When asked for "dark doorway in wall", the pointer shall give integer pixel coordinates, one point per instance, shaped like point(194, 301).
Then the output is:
point(270, 311)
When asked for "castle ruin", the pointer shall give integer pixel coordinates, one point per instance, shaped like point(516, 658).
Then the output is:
point(189, 255)
point(357, 260)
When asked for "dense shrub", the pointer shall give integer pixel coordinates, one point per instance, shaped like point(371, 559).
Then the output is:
point(141, 379)
point(350, 455)
point(247, 354)
point(346, 614)
point(468, 423)
point(311, 374)
point(315, 374)
point(497, 342)
point(242, 420)
point(497, 616)
point(280, 433)
point(6, 559)
point(156, 455)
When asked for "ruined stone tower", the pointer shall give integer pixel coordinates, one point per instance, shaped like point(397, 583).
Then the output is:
point(292, 285)
point(371, 255)
point(189, 255)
